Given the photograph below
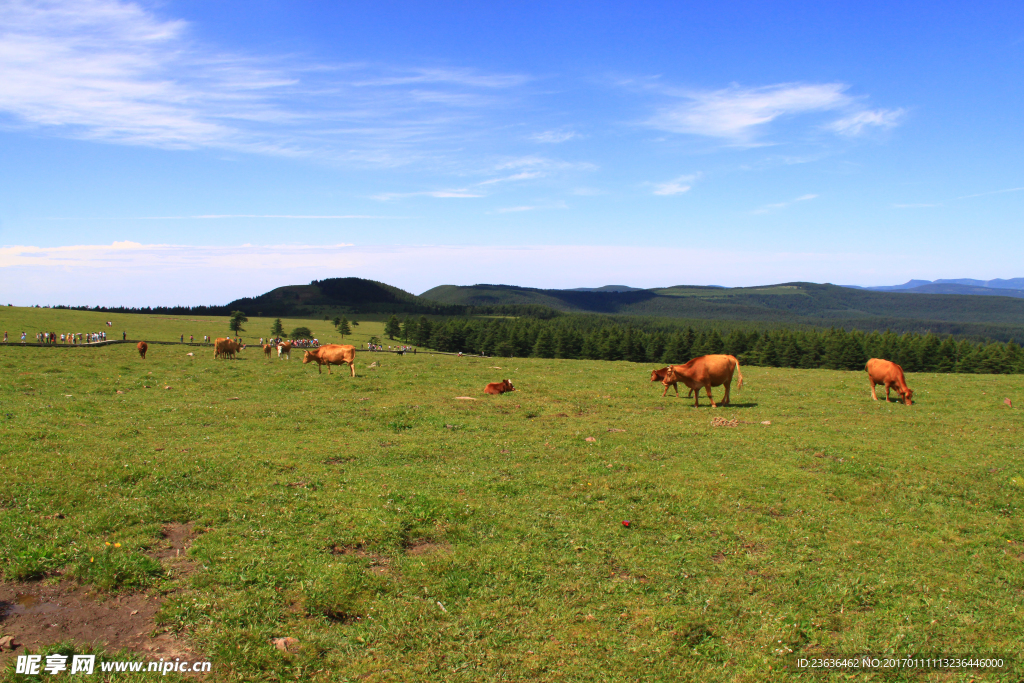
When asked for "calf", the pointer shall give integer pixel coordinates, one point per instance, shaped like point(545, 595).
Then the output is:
point(284, 350)
point(267, 348)
point(659, 376)
point(499, 387)
point(891, 375)
point(142, 347)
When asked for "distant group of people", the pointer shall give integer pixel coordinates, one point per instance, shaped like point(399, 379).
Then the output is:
point(64, 337)
point(296, 343)
point(397, 349)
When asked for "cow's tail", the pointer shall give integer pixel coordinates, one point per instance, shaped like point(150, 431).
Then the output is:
point(739, 385)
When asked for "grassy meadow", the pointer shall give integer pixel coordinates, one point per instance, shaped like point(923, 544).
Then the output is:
point(403, 534)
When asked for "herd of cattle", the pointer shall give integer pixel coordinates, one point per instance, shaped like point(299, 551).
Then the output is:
point(704, 372)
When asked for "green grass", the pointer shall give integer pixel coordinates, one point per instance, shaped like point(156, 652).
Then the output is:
point(395, 529)
point(158, 327)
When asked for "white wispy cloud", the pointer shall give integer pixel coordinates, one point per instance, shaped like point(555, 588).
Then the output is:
point(677, 186)
point(135, 274)
point(739, 114)
point(518, 209)
point(857, 123)
point(768, 208)
point(554, 136)
point(439, 194)
point(985, 194)
point(525, 175)
point(219, 216)
point(119, 72)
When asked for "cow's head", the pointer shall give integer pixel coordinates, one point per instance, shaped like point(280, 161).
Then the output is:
point(508, 385)
point(658, 374)
point(907, 396)
point(308, 357)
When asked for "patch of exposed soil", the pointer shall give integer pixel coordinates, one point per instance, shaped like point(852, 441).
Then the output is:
point(425, 546)
point(379, 564)
point(172, 549)
point(37, 614)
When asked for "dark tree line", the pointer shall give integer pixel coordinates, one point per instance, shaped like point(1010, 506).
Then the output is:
point(835, 348)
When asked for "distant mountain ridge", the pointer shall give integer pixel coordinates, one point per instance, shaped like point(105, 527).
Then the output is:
point(1013, 287)
point(793, 303)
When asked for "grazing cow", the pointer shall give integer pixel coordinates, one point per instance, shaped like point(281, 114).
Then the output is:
point(332, 354)
point(707, 372)
point(659, 376)
point(267, 348)
point(226, 348)
point(284, 349)
point(499, 387)
point(891, 375)
point(142, 347)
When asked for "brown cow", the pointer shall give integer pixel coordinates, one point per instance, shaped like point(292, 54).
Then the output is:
point(267, 348)
point(226, 348)
point(891, 375)
point(332, 354)
point(142, 347)
point(499, 387)
point(659, 376)
point(285, 349)
point(707, 372)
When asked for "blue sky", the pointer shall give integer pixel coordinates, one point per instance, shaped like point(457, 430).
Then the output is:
point(193, 152)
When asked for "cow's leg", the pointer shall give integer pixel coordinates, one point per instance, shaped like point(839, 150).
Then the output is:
point(707, 388)
point(665, 392)
point(328, 368)
point(352, 367)
point(725, 401)
point(887, 387)
point(873, 395)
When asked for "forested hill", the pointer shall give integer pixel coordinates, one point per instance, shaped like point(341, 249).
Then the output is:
point(795, 303)
point(351, 294)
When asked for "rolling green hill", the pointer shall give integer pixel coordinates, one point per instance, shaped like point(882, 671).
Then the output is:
point(340, 295)
point(795, 303)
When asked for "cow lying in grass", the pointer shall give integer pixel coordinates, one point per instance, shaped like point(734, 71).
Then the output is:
point(332, 354)
point(707, 372)
point(499, 387)
point(891, 375)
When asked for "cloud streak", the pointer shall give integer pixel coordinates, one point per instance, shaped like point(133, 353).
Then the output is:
point(116, 72)
point(769, 208)
point(739, 115)
point(134, 274)
point(678, 186)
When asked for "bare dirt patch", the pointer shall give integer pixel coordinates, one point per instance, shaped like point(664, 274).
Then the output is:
point(37, 614)
point(173, 547)
point(425, 546)
point(379, 564)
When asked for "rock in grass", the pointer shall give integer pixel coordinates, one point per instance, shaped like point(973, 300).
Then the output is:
point(286, 644)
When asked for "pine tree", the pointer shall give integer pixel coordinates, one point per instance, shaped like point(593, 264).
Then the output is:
point(343, 327)
point(545, 346)
point(393, 328)
point(277, 329)
point(423, 330)
point(237, 318)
